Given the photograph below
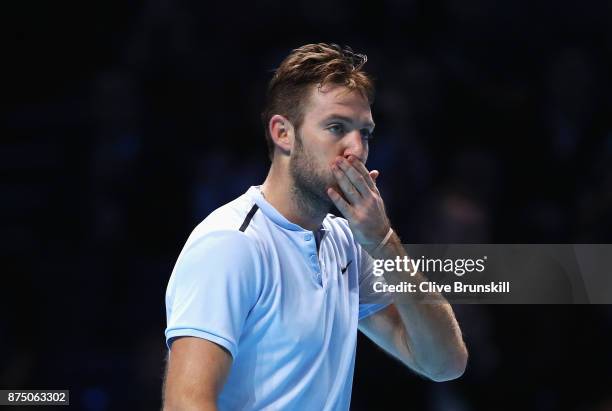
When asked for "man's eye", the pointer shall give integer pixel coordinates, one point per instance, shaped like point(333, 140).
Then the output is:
point(336, 128)
point(367, 134)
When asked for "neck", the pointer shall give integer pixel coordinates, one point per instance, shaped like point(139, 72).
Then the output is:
point(280, 191)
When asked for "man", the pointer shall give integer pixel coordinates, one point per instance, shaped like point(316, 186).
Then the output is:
point(267, 295)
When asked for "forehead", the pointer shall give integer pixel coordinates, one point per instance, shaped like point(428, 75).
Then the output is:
point(337, 100)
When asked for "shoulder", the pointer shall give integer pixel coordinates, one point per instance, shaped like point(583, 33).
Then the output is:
point(217, 260)
point(221, 236)
point(231, 216)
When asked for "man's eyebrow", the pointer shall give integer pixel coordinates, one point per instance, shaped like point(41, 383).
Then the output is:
point(346, 119)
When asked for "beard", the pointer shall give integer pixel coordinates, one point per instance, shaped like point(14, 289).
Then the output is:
point(309, 184)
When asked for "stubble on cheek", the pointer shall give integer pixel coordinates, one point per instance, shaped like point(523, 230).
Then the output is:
point(311, 178)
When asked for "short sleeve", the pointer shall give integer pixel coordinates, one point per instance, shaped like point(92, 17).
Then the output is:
point(370, 301)
point(214, 285)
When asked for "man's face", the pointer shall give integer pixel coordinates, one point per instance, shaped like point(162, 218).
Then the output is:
point(337, 122)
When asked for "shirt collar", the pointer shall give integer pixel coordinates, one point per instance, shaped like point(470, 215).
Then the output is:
point(272, 213)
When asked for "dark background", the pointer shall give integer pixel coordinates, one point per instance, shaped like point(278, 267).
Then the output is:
point(128, 122)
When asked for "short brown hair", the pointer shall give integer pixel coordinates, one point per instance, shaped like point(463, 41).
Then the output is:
point(312, 64)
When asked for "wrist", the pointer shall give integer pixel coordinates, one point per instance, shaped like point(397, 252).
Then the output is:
point(384, 241)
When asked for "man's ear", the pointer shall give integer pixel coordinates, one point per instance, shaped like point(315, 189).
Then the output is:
point(281, 131)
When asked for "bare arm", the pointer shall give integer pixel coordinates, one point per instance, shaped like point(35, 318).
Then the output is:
point(425, 336)
point(431, 336)
point(425, 348)
point(196, 372)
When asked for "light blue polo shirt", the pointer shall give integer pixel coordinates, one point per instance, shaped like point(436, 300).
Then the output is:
point(287, 311)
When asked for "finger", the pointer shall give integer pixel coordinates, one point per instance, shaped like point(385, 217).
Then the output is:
point(340, 203)
point(354, 176)
point(374, 175)
point(349, 190)
point(358, 164)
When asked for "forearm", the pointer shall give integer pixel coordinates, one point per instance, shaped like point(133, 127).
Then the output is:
point(187, 406)
point(431, 332)
point(182, 397)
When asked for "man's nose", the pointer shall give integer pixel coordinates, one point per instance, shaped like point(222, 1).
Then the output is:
point(356, 146)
